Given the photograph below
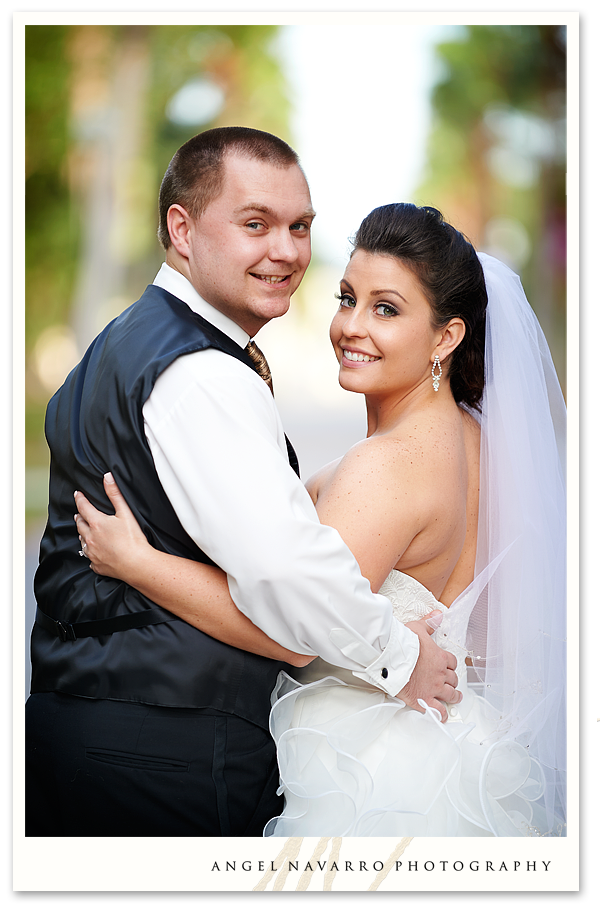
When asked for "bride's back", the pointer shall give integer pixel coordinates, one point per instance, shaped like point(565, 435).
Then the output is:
point(408, 500)
point(444, 499)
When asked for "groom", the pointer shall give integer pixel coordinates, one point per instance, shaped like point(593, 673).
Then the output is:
point(138, 723)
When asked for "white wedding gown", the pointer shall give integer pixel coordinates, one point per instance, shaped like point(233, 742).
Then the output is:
point(356, 762)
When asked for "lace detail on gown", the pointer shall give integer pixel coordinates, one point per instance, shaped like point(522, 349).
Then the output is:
point(410, 600)
point(356, 762)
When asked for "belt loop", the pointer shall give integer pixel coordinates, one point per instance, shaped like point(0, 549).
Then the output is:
point(65, 631)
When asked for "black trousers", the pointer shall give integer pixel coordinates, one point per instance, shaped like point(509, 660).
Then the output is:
point(114, 769)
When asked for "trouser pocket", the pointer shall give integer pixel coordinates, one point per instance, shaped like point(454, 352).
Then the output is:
point(133, 760)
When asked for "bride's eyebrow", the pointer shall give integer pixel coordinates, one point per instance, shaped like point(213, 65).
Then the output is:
point(388, 291)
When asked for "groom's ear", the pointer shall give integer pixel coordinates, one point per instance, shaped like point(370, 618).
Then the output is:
point(452, 335)
point(178, 223)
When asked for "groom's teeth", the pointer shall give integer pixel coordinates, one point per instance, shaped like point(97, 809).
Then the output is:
point(272, 279)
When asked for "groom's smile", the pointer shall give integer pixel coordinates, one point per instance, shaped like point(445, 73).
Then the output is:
point(272, 279)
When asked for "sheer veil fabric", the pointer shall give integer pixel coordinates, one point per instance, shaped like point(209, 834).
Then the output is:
point(511, 621)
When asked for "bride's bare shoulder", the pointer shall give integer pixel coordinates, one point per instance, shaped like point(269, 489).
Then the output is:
point(419, 455)
point(373, 462)
point(315, 483)
point(373, 452)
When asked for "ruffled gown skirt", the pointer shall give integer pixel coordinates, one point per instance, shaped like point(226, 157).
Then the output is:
point(356, 762)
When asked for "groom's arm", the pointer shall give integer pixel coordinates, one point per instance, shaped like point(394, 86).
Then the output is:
point(219, 451)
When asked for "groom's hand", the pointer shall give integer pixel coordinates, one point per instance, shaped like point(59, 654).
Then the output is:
point(433, 679)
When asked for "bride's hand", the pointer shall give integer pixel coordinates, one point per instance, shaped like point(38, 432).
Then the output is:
point(114, 544)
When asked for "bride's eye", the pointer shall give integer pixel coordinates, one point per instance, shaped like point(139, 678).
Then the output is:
point(346, 300)
point(385, 309)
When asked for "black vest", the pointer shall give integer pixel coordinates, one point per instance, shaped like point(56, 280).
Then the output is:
point(94, 424)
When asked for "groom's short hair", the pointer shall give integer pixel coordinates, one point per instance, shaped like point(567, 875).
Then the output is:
point(194, 177)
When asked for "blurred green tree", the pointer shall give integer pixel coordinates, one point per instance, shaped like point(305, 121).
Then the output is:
point(50, 232)
point(497, 155)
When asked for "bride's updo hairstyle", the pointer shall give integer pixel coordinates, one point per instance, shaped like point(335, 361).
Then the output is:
point(450, 275)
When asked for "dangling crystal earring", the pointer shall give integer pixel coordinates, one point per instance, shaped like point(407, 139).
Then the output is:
point(436, 376)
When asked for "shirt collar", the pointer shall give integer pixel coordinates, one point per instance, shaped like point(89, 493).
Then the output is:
point(169, 279)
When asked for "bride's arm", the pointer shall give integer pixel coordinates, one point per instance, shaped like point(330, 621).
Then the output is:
point(197, 593)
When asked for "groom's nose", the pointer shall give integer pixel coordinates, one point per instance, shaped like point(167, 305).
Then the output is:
point(283, 246)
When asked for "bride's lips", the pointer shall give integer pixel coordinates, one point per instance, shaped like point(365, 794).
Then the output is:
point(354, 358)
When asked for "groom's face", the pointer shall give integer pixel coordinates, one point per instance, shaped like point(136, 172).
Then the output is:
point(250, 248)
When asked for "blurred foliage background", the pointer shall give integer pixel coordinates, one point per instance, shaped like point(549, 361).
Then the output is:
point(107, 106)
point(497, 155)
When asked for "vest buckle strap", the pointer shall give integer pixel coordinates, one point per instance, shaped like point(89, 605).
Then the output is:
point(68, 631)
point(65, 630)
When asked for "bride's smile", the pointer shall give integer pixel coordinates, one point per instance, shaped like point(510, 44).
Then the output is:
point(352, 356)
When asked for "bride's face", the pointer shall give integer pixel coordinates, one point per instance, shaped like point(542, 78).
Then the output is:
point(382, 333)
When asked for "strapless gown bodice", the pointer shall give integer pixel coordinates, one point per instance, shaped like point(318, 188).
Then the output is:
point(356, 762)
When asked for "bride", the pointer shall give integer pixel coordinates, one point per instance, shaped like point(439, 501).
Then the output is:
point(454, 502)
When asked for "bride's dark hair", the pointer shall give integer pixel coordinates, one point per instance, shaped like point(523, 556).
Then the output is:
point(450, 274)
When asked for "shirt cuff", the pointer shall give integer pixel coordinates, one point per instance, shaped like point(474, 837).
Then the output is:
point(389, 670)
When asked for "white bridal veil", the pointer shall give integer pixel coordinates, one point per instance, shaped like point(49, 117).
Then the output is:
point(512, 617)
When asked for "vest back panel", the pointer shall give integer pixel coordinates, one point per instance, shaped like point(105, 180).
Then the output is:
point(94, 424)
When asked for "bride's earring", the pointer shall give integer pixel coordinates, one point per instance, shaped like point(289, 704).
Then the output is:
point(436, 376)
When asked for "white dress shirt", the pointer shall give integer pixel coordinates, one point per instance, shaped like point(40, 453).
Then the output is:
point(220, 453)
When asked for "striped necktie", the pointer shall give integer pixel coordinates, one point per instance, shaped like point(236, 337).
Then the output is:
point(260, 362)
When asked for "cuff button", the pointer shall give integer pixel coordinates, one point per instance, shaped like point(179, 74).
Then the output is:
point(384, 673)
